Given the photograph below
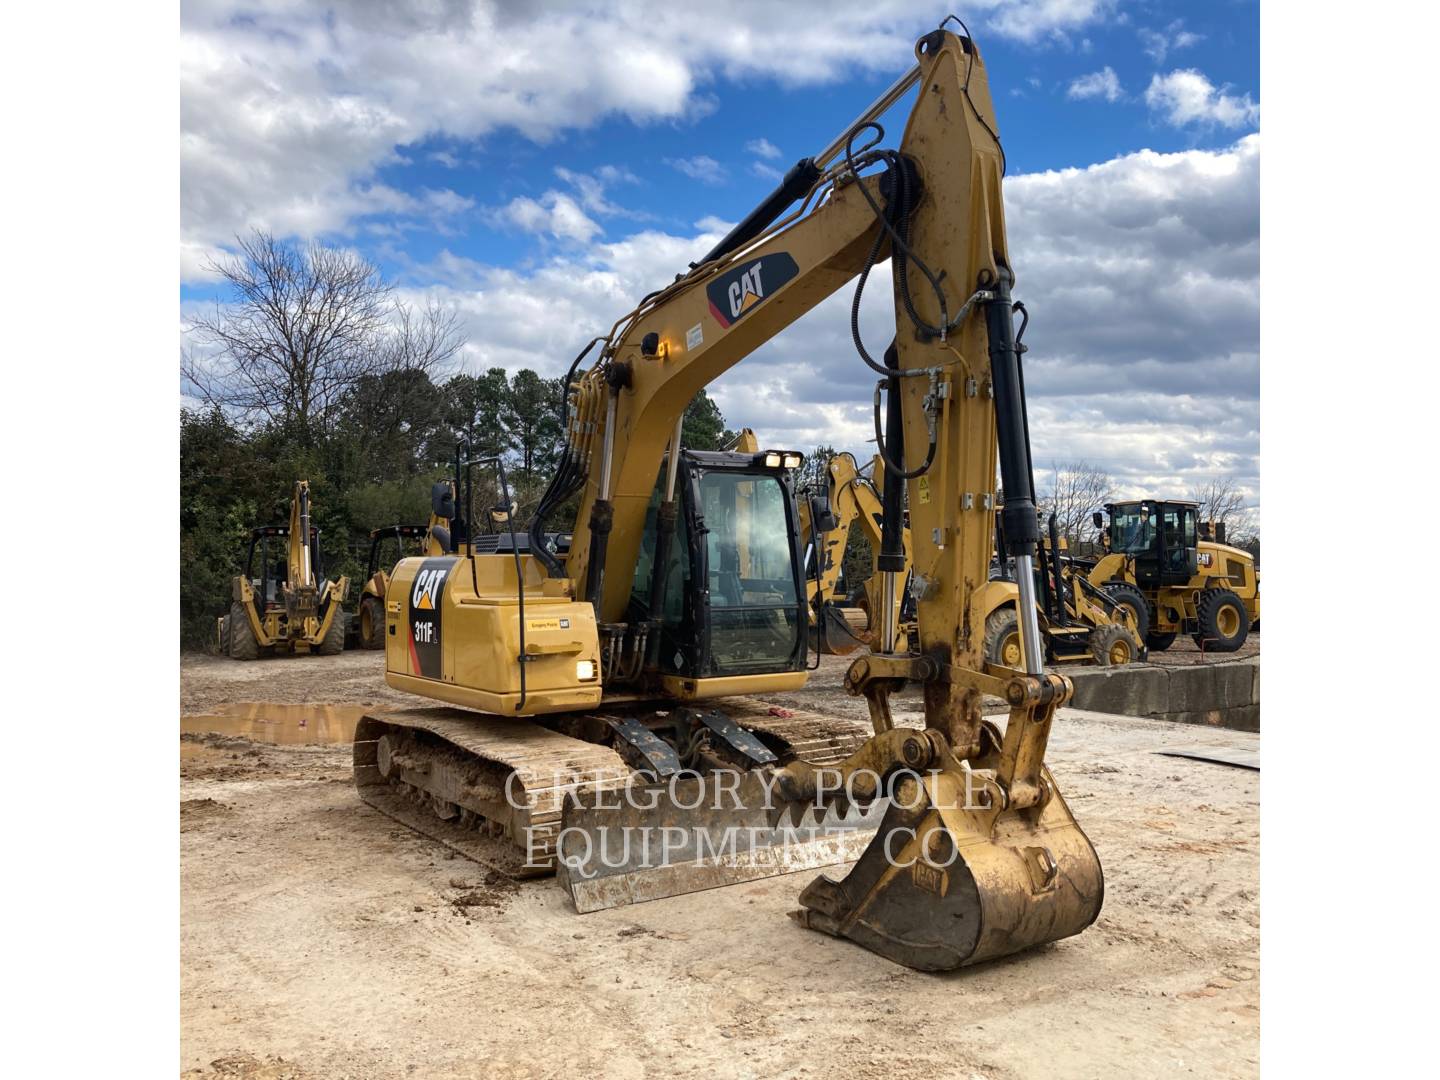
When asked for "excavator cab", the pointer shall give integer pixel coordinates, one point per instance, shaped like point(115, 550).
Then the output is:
point(736, 532)
point(1160, 536)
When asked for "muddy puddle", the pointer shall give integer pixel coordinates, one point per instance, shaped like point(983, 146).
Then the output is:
point(286, 725)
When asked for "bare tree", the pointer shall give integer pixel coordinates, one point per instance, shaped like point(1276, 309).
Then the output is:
point(1077, 489)
point(421, 340)
point(300, 326)
point(1221, 500)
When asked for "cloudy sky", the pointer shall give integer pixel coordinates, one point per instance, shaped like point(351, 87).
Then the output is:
point(541, 164)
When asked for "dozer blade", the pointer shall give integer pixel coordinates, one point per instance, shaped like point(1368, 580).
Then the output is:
point(647, 842)
point(949, 881)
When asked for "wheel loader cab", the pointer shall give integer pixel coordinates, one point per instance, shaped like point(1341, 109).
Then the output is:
point(737, 531)
point(1160, 536)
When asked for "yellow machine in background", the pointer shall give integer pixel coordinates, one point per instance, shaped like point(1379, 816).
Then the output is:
point(1203, 588)
point(636, 651)
point(432, 539)
point(826, 516)
point(287, 607)
point(1080, 622)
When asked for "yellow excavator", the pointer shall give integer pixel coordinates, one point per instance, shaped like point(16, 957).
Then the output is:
point(602, 700)
point(289, 606)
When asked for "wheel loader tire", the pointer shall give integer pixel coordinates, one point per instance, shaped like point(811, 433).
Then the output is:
point(1224, 623)
point(1158, 642)
point(372, 623)
point(1128, 596)
point(1002, 638)
point(241, 644)
point(334, 640)
point(1112, 645)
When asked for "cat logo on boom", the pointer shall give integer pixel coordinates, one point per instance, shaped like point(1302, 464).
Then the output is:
point(743, 288)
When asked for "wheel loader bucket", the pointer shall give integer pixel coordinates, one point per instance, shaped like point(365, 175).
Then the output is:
point(950, 879)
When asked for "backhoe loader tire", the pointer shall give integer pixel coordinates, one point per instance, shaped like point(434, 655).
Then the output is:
point(1158, 642)
point(1223, 621)
point(242, 644)
point(1128, 596)
point(372, 623)
point(1113, 644)
point(333, 642)
point(1002, 638)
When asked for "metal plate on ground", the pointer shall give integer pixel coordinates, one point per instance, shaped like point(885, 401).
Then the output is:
point(1221, 755)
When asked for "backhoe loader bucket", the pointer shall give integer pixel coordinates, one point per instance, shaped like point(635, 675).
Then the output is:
point(950, 879)
point(834, 635)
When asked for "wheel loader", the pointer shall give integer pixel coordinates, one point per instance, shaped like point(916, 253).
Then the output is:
point(1180, 582)
point(288, 606)
point(599, 682)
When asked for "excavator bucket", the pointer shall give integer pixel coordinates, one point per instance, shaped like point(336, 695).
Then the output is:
point(948, 874)
point(952, 879)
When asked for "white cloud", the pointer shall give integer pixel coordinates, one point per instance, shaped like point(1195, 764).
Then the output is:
point(765, 172)
point(289, 107)
point(1141, 275)
point(1186, 96)
point(1103, 83)
point(763, 148)
point(1157, 44)
point(1047, 18)
point(702, 167)
point(554, 213)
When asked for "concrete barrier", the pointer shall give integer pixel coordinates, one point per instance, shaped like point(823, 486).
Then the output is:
point(1222, 693)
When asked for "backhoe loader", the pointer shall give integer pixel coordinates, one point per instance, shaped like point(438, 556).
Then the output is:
point(826, 516)
point(432, 539)
point(1079, 622)
point(1190, 583)
point(288, 606)
point(603, 700)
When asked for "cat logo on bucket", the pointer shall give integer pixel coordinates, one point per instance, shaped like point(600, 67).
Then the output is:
point(736, 293)
point(426, 594)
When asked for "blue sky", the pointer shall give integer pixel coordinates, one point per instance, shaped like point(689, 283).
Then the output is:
point(492, 155)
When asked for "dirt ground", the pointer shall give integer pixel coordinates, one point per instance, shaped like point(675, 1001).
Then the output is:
point(320, 939)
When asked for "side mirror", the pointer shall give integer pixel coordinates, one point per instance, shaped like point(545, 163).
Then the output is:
point(822, 518)
point(1099, 519)
point(442, 500)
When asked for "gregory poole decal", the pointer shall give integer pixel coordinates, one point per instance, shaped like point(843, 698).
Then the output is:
point(741, 289)
point(425, 596)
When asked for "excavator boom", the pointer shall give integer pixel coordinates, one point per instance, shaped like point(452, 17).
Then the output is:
point(681, 585)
